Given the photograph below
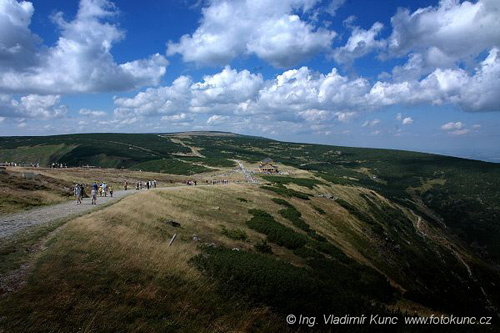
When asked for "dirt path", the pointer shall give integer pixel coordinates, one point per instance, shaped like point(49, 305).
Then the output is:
point(248, 175)
point(13, 223)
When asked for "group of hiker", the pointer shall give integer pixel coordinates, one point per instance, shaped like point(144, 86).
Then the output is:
point(96, 190)
point(149, 184)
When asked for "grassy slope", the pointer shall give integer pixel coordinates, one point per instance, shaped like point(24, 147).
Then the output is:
point(17, 193)
point(113, 270)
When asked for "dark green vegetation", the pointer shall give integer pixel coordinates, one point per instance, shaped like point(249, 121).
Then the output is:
point(290, 289)
point(236, 234)
point(331, 283)
point(306, 182)
point(149, 152)
point(287, 192)
point(275, 232)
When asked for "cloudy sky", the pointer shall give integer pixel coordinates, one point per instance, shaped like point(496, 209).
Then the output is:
point(407, 74)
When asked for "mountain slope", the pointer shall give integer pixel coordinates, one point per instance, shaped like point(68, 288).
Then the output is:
point(405, 230)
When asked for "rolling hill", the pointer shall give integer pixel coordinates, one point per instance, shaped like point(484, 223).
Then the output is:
point(346, 230)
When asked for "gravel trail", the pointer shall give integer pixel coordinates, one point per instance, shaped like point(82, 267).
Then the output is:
point(13, 223)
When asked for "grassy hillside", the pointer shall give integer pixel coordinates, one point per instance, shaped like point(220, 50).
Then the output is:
point(462, 194)
point(345, 229)
point(113, 270)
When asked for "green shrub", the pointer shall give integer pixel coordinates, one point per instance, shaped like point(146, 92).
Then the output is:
point(319, 210)
point(294, 216)
point(235, 234)
point(305, 182)
point(307, 253)
point(276, 232)
point(326, 288)
point(281, 190)
point(263, 247)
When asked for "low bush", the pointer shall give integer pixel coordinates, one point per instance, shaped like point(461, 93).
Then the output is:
point(276, 232)
point(263, 247)
point(236, 234)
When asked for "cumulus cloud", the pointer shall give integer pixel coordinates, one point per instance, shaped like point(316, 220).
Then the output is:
point(32, 106)
point(360, 43)
point(371, 123)
point(446, 33)
point(224, 90)
point(452, 126)
point(81, 59)
point(216, 119)
point(470, 91)
point(407, 121)
point(268, 29)
point(92, 113)
point(302, 94)
point(156, 101)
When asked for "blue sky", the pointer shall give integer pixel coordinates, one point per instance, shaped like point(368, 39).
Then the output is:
point(418, 75)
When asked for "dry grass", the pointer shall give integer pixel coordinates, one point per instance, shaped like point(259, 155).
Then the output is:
point(113, 269)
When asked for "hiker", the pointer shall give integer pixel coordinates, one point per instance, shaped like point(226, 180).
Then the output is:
point(147, 184)
point(82, 192)
point(95, 186)
point(140, 185)
point(105, 189)
point(78, 192)
point(100, 191)
point(110, 190)
point(137, 186)
point(93, 194)
point(154, 183)
point(125, 185)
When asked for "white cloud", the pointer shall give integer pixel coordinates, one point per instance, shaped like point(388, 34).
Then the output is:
point(399, 116)
point(156, 101)
point(360, 43)
point(80, 60)
point(32, 106)
point(449, 32)
point(452, 126)
point(471, 92)
point(459, 132)
point(314, 115)
point(407, 121)
point(216, 119)
point(334, 6)
point(371, 123)
point(476, 126)
point(268, 29)
point(92, 113)
point(176, 118)
point(225, 90)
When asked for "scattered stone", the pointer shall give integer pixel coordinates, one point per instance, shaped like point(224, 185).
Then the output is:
point(328, 196)
point(235, 249)
point(210, 244)
point(173, 223)
point(196, 238)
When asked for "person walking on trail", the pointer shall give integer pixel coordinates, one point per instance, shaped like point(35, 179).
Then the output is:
point(100, 191)
point(78, 194)
point(93, 195)
point(95, 187)
point(111, 190)
point(147, 184)
point(105, 189)
point(125, 185)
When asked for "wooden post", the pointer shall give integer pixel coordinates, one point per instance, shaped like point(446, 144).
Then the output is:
point(172, 240)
